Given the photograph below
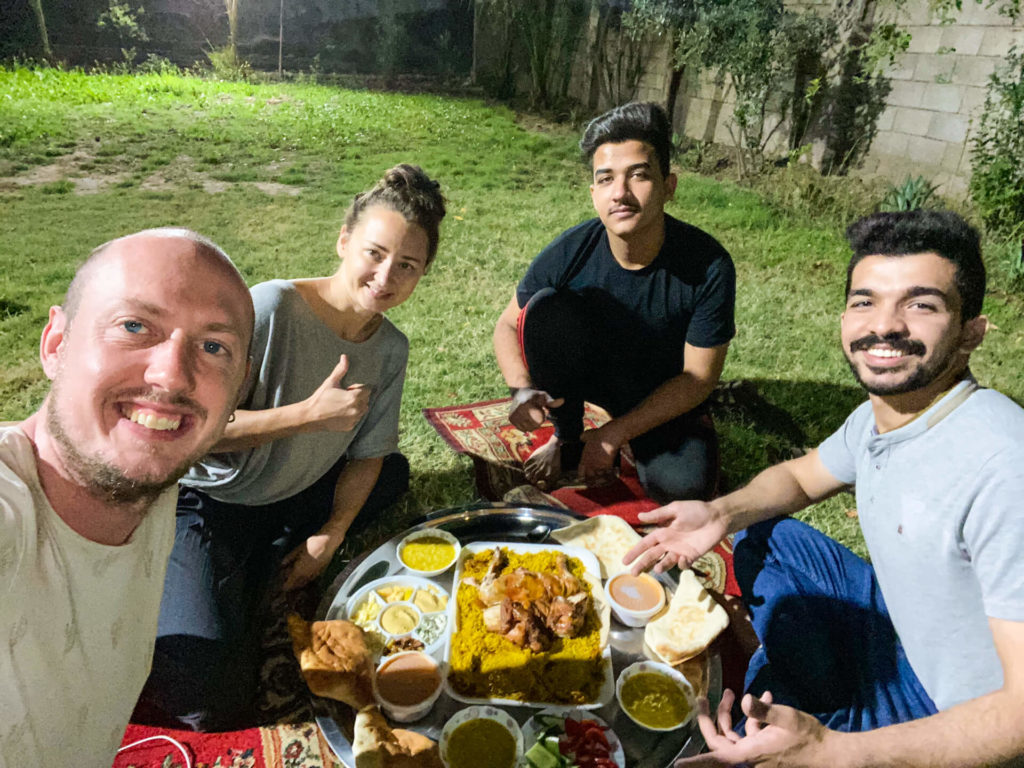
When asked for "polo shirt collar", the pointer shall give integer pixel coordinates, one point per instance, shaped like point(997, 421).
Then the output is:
point(935, 413)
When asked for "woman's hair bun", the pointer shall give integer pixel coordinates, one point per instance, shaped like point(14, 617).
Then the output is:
point(409, 177)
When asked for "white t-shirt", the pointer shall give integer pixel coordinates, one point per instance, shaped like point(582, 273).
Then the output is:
point(77, 622)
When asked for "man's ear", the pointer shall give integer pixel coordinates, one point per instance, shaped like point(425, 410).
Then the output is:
point(671, 181)
point(973, 333)
point(247, 382)
point(52, 341)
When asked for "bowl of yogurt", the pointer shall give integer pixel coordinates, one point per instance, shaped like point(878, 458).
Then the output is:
point(634, 600)
point(407, 684)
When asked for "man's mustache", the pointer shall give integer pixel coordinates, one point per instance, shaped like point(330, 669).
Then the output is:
point(899, 343)
point(176, 400)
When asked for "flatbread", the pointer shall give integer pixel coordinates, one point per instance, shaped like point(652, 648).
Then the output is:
point(693, 619)
point(334, 659)
point(376, 745)
point(607, 536)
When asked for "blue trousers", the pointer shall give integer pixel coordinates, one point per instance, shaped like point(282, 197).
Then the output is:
point(206, 661)
point(571, 352)
point(828, 646)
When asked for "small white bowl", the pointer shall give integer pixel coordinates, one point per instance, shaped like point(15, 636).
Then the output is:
point(478, 713)
point(407, 713)
point(665, 670)
point(428, 533)
point(630, 616)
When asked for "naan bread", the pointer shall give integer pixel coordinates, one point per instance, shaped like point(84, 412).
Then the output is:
point(376, 745)
point(607, 536)
point(692, 621)
point(334, 659)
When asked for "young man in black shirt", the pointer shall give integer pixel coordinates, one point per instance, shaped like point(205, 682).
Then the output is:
point(632, 311)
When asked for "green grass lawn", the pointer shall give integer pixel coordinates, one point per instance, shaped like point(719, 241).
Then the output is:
point(268, 170)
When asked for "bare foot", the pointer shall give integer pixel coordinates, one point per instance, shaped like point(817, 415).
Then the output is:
point(543, 467)
point(546, 466)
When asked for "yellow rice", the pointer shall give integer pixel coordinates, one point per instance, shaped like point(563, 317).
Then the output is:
point(486, 665)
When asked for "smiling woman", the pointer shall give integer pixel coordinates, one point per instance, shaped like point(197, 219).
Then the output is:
point(314, 444)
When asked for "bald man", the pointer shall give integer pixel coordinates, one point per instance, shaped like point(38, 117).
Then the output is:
point(146, 359)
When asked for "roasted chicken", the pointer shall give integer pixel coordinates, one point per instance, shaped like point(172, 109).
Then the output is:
point(530, 608)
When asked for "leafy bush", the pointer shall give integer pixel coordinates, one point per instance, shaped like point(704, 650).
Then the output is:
point(909, 195)
point(228, 65)
point(761, 46)
point(997, 150)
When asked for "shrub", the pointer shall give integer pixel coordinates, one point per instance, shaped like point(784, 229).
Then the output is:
point(909, 195)
point(800, 190)
point(228, 65)
point(997, 150)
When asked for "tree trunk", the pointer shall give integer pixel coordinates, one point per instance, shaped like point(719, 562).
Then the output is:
point(474, 75)
point(280, 42)
point(37, 6)
point(231, 6)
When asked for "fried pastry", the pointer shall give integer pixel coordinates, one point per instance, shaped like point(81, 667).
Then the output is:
point(334, 659)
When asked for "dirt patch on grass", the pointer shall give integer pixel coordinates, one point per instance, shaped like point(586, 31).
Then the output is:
point(273, 189)
point(69, 168)
point(78, 168)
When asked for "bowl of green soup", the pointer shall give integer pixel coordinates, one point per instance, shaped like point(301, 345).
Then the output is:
point(655, 696)
point(428, 552)
point(481, 737)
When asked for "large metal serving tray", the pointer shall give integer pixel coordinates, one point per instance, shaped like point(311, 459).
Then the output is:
point(500, 522)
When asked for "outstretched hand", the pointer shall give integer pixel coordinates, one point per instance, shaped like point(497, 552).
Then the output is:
point(687, 529)
point(335, 407)
point(530, 408)
point(776, 736)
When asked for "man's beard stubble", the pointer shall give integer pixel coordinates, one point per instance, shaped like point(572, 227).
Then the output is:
point(919, 379)
point(102, 479)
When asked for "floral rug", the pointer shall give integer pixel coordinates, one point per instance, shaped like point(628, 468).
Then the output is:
point(281, 746)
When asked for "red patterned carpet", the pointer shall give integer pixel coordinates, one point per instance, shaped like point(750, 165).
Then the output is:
point(282, 746)
point(288, 739)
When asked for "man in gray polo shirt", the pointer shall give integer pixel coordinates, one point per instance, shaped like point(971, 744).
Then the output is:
point(917, 659)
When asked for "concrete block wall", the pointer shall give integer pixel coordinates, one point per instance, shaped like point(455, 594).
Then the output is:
point(938, 86)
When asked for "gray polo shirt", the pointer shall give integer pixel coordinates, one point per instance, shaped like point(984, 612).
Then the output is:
point(941, 504)
point(293, 353)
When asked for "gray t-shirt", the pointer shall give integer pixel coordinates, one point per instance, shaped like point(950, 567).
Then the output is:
point(941, 504)
point(293, 352)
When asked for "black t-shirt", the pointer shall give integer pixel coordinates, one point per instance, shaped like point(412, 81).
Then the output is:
point(686, 295)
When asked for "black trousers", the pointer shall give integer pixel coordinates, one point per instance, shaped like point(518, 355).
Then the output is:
point(572, 353)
